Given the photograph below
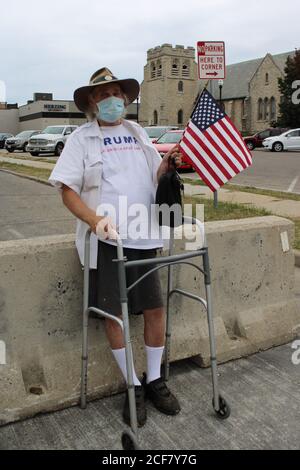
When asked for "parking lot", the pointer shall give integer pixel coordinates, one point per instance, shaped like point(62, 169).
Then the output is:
point(277, 171)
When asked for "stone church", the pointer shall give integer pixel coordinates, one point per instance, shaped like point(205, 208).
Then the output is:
point(170, 87)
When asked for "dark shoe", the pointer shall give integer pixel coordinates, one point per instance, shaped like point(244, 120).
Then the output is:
point(161, 397)
point(141, 412)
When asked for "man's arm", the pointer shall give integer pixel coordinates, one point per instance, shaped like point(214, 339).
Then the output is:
point(78, 208)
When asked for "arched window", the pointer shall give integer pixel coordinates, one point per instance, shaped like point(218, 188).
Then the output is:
point(266, 109)
point(260, 109)
point(153, 70)
point(180, 86)
point(267, 79)
point(273, 108)
point(155, 118)
point(180, 117)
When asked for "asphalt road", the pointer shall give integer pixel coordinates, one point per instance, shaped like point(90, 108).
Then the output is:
point(29, 209)
point(277, 171)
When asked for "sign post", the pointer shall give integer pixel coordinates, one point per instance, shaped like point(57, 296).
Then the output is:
point(211, 66)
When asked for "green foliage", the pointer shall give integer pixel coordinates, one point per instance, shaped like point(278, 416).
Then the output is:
point(289, 112)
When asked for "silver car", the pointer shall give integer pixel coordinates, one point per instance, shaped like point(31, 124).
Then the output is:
point(20, 141)
point(50, 140)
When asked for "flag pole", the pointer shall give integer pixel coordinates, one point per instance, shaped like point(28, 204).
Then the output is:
point(215, 192)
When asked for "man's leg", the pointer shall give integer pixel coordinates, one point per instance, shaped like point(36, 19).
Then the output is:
point(156, 388)
point(115, 337)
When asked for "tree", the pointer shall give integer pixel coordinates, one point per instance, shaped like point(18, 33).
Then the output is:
point(289, 111)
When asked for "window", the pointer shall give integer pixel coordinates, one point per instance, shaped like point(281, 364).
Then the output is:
point(180, 86)
point(153, 70)
point(155, 118)
point(159, 69)
point(264, 135)
point(186, 69)
point(180, 117)
point(175, 67)
point(273, 108)
point(260, 109)
point(266, 109)
point(267, 79)
point(293, 134)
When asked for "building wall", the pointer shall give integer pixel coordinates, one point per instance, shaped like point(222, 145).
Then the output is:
point(160, 90)
point(9, 120)
point(259, 88)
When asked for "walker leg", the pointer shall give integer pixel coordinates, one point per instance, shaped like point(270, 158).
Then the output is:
point(168, 320)
point(84, 363)
point(84, 358)
point(127, 341)
point(212, 342)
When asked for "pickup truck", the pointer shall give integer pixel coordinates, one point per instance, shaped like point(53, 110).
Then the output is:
point(50, 140)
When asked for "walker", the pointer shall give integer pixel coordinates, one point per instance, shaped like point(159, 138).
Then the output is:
point(130, 436)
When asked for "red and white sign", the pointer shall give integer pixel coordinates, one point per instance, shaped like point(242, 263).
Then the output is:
point(211, 60)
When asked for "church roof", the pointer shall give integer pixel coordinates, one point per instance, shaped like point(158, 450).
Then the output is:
point(239, 75)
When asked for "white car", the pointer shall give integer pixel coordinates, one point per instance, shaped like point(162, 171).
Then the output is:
point(52, 139)
point(289, 140)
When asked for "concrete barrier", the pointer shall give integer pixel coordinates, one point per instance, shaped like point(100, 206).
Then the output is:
point(40, 313)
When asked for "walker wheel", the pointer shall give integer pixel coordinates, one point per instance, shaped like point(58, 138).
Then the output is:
point(224, 409)
point(129, 441)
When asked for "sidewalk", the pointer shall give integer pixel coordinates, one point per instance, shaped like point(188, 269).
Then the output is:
point(263, 392)
point(281, 207)
point(31, 163)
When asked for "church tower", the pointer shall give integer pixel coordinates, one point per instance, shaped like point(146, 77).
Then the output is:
point(170, 86)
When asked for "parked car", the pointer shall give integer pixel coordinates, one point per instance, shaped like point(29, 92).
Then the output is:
point(52, 139)
point(257, 139)
point(20, 141)
point(289, 140)
point(167, 141)
point(3, 137)
point(154, 132)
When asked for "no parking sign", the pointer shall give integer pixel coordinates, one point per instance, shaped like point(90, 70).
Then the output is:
point(211, 60)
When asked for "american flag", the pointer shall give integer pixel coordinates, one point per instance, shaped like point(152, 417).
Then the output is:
point(212, 144)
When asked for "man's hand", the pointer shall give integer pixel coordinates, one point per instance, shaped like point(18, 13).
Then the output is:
point(172, 158)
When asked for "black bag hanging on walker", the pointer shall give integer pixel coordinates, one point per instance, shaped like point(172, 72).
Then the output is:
point(169, 196)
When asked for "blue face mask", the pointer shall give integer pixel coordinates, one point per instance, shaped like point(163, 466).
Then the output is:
point(110, 109)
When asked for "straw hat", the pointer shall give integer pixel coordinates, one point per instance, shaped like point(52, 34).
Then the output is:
point(129, 86)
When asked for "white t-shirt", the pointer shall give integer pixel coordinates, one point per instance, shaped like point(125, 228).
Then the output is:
point(127, 190)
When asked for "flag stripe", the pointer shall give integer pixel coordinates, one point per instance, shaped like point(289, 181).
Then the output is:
point(239, 138)
point(239, 141)
point(224, 130)
point(205, 176)
point(222, 147)
point(231, 151)
point(206, 140)
point(206, 164)
point(206, 154)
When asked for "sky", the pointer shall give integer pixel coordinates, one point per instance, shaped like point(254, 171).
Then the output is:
point(55, 46)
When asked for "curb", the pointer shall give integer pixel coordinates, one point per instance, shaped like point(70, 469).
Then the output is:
point(28, 177)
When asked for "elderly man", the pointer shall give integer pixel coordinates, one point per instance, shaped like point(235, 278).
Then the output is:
point(103, 161)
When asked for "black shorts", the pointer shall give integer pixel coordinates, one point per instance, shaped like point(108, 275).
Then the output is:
point(104, 284)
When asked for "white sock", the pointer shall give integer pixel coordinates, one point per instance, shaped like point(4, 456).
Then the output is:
point(120, 357)
point(154, 356)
